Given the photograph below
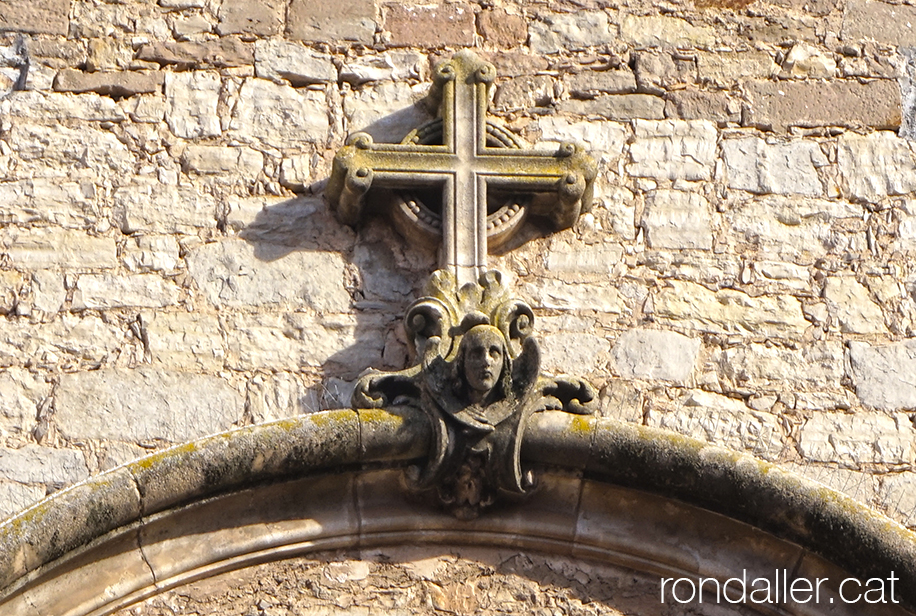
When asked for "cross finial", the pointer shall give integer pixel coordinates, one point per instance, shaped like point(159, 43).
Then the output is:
point(464, 154)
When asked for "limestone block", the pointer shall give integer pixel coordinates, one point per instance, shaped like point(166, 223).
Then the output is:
point(47, 17)
point(570, 31)
point(387, 66)
point(852, 306)
point(445, 25)
point(110, 83)
point(615, 207)
point(502, 29)
point(525, 92)
point(103, 291)
point(620, 107)
point(787, 168)
point(724, 69)
point(69, 339)
point(184, 340)
point(49, 247)
point(279, 115)
point(157, 253)
point(875, 166)
point(722, 421)
point(897, 496)
point(11, 284)
point(146, 108)
point(655, 355)
point(855, 439)
point(222, 160)
point(280, 395)
point(554, 294)
point(659, 72)
point(294, 340)
point(279, 225)
point(353, 20)
point(191, 26)
point(696, 267)
point(21, 392)
point(84, 107)
point(238, 273)
point(604, 140)
point(671, 32)
point(595, 261)
point(144, 404)
point(83, 153)
point(885, 23)
point(587, 83)
point(387, 111)
point(777, 368)
point(805, 61)
point(280, 60)
point(15, 497)
point(883, 374)
point(574, 353)
point(227, 51)
point(677, 220)
point(792, 228)
point(860, 486)
point(673, 149)
point(686, 305)
point(296, 172)
point(56, 201)
point(152, 207)
point(193, 97)
point(257, 18)
point(690, 104)
point(34, 464)
point(48, 291)
point(779, 105)
point(788, 274)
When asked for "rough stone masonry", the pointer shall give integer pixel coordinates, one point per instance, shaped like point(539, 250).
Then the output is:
point(169, 268)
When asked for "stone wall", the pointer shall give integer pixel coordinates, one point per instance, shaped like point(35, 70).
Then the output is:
point(169, 267)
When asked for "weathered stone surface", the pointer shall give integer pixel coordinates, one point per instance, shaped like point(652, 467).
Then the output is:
point(69, 340)
point(46, 17)
point(692, 266)
point(102, 291)
point(223, 52)
point(526, 91)
point(805, 61)
point(183, 340)
point(152, 207)
point(257, 18)
point(193, 97)
point(444, 25)
point(619, 107)
point(724, 69)
point(690, 306)
point(354, 20)
point(296, 172)
point(778, 105)
point(56, 201)
point(58, 106)
point(651, 31)
point(115, 83)
point(677, 220)
point(390, 65)
point(48, 291)
point(573, 353)
point(793, 228)
point(559, 295)
point(660, 72)
point(898, 496)
point(856, 439)
point(501, 28)
point(78, 154)
point(278, 225)
point(673, 149)
point(722, 421)
point(882, 22)
point(238, 273)
point(860, 486)
point(604, 140)
point(33, 464)
point(222, 160)
point(20, 395)
point(852, 306)
point(48, 247)
point(875, 166)
point(587, 83)
point(279, 115)
point(655, 355)
point(191, 26)
point(387, 111)
point(883, 374)
point(140, 405)
point(146, 108)
point(280, 395)
point(11, 283)
point(702, 105)
point(772, 367)
point(590, 260)
point(786, 168)
point(570, 31)
point(293, 340)
point(14, 497)
point(279, 60)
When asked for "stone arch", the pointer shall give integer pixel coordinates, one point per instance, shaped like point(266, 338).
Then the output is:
point(615, 493)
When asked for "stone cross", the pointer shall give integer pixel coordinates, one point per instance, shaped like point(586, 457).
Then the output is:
point(465, 163)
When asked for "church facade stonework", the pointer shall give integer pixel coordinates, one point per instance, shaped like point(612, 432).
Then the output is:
point(170, 268)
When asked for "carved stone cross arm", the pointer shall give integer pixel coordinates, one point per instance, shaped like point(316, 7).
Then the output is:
point(465, 155)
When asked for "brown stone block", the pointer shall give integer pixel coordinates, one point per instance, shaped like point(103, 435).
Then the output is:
point(252, 17)
point(448, 25)
point(881, 22)
point(502, 29)
point(701, 105)
point(777, 105)
point(36, 17)
point(115, 83)
point(223, 52)
point(330, 20)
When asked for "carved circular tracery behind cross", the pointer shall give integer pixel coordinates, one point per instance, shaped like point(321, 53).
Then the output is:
point(419, 216)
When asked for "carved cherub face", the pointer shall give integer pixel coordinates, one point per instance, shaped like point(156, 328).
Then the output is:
point(484, 357)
